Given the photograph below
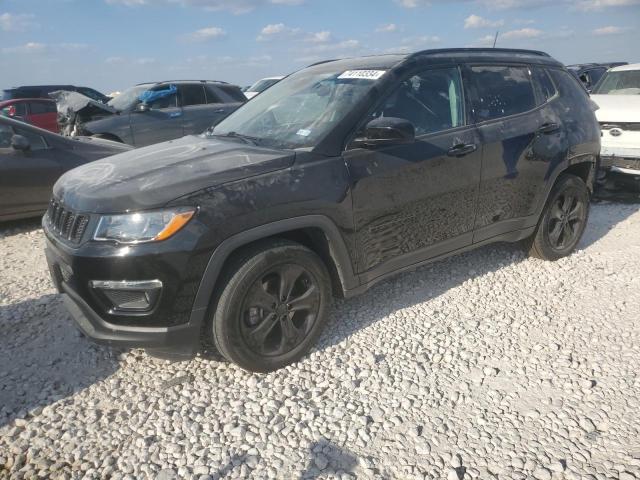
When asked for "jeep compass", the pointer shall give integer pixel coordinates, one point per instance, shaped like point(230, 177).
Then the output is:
point(340, 175)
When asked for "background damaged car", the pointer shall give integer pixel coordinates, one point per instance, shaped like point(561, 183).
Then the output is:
point(32, 159)
point(151, 112)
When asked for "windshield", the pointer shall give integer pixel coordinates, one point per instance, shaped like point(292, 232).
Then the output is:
point(300, 110)
point(625, 82)
point(262, 85)
point(128, 98)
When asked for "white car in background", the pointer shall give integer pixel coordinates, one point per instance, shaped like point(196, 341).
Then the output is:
point(618, 96)
point(261, 85)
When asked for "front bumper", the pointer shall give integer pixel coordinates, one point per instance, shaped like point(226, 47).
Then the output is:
point(625, 165)
point(177, 343)
point(171, 330)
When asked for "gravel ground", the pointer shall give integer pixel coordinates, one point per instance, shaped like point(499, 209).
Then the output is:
point(487, 365)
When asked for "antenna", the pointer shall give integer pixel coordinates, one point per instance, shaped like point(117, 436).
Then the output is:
point(496, 39)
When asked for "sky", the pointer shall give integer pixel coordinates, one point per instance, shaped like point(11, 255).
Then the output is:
point(113, 44)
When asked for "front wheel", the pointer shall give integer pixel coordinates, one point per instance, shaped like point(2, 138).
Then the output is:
point(563, 220)
point(273, 306)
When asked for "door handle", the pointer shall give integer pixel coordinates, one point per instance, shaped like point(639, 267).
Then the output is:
point(462, 149)
point(549, 128)
point(220, 110)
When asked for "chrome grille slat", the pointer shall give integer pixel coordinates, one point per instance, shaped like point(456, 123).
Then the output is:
point(65, 223)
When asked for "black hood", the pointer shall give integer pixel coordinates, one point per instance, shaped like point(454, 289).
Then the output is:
point(152, 176)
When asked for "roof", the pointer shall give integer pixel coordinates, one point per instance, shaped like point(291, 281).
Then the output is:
point(185, 81)
point(462, 54)
point(21, 100)
point(624, 68)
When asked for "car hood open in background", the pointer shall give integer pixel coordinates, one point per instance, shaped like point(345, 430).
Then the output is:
point(74, 108)
point(618, 108)
point(152, 176)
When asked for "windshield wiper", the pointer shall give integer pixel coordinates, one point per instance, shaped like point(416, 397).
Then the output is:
point(241, 136)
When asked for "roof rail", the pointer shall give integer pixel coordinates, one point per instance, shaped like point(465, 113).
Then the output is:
point(487, 50)
point(321, 62)
point(184, 80)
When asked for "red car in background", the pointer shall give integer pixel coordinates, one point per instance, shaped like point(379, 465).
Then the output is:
point(40, 112)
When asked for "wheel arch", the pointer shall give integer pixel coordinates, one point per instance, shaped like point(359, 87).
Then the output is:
point(316, 232)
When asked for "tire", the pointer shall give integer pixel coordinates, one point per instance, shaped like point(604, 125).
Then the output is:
point(563, 219)
point(272, 307)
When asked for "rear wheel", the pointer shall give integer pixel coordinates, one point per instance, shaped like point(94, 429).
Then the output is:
point(563, 220)
point(273, 306)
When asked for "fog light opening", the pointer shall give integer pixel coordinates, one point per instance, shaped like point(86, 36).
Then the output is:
point(128, 296)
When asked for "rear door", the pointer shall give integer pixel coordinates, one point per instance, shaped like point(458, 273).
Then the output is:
point(26, 178)
point(517, 134)
point(163, 121)
point(43, 114)
point(198, 116)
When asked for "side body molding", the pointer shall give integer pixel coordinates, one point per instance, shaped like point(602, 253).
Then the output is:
point(337, 250)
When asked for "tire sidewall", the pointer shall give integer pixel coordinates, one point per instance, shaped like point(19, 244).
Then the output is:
point(226, 322)
point(567, 183)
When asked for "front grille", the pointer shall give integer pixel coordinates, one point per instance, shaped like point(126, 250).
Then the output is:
point(65, 223)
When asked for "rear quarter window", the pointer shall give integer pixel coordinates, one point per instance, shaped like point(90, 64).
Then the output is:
point(231, 93)
point(545, 87)
point(38, 108)
point(569, 86)
point(501, 91)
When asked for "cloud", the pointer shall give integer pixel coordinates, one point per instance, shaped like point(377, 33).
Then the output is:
point(521, 33)
point(32, 48)
point(602, 4)
point(319, 37)
point(27, 48)
point(476, 21)
point(233, 6)
point(275, 30)
point(20, 22)
point(145, 61)
point(610, 30)
point(412, 44)
point(413, 3)
point(114, 60)
point(205, 34)
point(388, 28)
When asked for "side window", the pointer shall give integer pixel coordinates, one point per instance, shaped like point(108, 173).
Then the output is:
point(431, 101)
point(502, 91)
point(89, 92)
point(596, 75)
point(568, 86)
point(212, 95)
point(234, 93)
point(546, 88)
point(169, 101)
point(37, 142)
point(5, 136)
point(38, 108)
point(192, 95)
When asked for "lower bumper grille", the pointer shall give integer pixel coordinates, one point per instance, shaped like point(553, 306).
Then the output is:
point(66, 223)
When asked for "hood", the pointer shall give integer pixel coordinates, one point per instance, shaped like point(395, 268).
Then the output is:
point(152, 176)
point(618, 108)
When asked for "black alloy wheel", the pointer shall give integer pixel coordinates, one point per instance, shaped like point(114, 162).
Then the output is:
point(272, 307)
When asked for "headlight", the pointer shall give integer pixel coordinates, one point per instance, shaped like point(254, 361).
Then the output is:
point(142, 227)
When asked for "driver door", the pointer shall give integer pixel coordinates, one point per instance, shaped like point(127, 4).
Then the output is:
point(163, 121)
point(26, 177)
point(417, 201)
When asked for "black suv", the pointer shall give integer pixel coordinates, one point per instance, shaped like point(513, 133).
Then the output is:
point(335, 178)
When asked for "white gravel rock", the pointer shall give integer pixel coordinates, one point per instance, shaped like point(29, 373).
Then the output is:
point(487, 365)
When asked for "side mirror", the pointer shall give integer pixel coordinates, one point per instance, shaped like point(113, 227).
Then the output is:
point(18, 142)
point(387, 131)
point(142, 107)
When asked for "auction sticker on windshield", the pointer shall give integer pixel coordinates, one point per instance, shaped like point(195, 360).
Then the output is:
point(363, 74)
